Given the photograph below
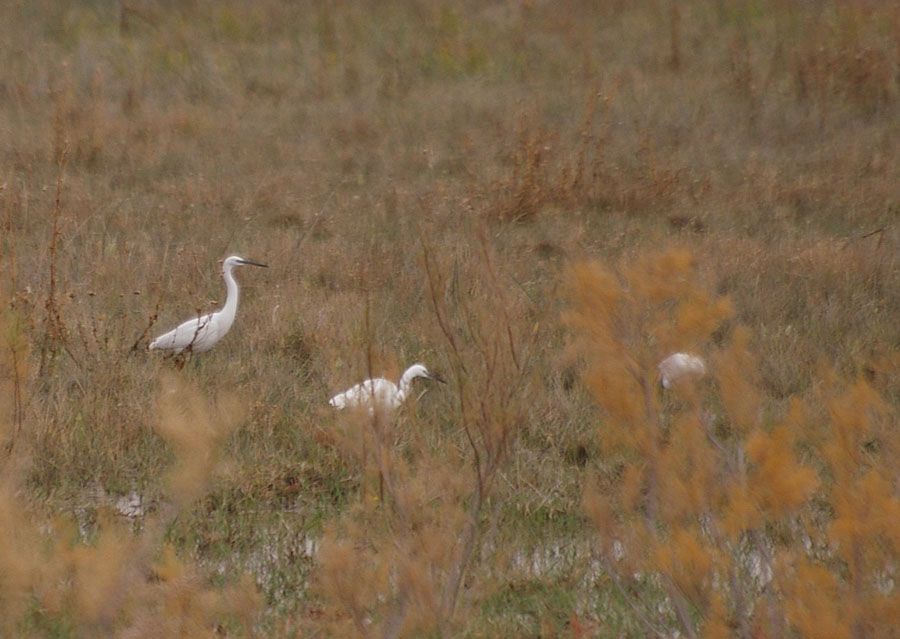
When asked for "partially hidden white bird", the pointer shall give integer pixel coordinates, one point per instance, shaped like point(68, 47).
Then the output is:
point(382, 392)
point(200, 334)
point(678, 365)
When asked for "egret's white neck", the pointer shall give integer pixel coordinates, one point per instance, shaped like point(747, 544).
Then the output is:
point(406, 382)
point(231, 295)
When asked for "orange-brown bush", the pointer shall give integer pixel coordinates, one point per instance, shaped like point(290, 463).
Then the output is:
point(749, 517)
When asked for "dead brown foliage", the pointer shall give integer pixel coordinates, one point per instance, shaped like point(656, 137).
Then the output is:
point(749, 523)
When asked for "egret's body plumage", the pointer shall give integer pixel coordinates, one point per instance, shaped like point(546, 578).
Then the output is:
point(678, 365)
point(200, 334)
point(381, 392)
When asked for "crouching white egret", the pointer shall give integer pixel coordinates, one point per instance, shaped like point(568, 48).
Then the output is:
point(382, 392)
point(678, 365)
point(200, 334)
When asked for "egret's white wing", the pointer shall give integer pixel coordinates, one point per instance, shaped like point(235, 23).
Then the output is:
point(678, 365)
point(342, 400)
point(353, 396)
point(381, 390)
point(193, 333)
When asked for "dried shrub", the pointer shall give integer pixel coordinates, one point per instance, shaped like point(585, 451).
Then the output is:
point(715, 522)
point(555, 168)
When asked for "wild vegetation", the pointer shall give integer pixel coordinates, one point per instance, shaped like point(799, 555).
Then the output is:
point(539, 200)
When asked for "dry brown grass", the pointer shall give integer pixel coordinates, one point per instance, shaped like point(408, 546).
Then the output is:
point(145, 140)
point(62, 579)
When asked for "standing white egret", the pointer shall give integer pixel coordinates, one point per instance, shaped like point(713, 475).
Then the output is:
point(678, 365)
point(382, 392)
point(200, 334)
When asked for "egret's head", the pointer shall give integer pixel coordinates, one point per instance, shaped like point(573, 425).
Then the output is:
point(236, 260)
point(419, 370)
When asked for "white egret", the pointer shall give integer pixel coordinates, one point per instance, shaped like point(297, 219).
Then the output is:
point(200, 334)
point(382, 392)
point(678, 365)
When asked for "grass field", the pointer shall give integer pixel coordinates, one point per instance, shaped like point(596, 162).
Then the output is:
point(420, 177)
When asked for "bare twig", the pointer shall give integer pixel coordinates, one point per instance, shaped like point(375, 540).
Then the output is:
point(54, 328)
point(150, 323)
point(879, 232)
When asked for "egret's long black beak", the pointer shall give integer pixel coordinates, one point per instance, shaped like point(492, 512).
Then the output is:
point(252, 263)
point(437, 378)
